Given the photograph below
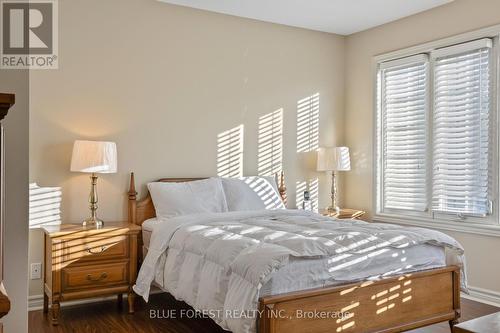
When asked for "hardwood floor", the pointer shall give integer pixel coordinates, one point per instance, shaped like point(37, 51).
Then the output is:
point(110, 317)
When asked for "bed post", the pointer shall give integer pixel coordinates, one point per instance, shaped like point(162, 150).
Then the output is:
point(456, 298)
point(132, 201)
point(282, 187)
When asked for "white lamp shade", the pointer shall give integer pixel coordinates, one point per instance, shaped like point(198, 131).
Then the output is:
point(94, 156)
point(334, 159)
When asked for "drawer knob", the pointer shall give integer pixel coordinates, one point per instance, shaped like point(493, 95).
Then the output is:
point(102, 277)
point(101, 250)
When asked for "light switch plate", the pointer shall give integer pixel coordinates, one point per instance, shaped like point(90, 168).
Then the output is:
point(36, 271)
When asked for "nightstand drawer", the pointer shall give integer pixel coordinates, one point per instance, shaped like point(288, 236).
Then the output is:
point(93, 276)
point(95, 248)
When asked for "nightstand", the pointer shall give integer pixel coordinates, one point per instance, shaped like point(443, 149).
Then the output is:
point(83, 262)
point(345, 214)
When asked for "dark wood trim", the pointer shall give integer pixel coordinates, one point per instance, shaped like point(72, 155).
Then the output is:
point(4, 301)
point(6, 102)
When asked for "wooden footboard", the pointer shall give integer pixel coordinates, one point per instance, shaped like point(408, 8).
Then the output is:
point(394, 304)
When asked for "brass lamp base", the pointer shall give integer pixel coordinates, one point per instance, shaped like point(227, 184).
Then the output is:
point(334, 208)
point(93, 222)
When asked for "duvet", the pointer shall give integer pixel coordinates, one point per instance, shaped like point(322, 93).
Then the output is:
point(217, 263)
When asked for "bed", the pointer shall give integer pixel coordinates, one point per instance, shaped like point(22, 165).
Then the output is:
point(371, 295)
point(321, 272)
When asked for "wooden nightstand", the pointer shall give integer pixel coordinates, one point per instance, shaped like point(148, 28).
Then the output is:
point(83, 262)
point(345, 214)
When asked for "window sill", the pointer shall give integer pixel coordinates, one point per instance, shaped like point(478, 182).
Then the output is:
point(477, 229)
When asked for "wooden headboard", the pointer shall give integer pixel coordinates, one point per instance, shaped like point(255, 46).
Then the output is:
point(141, 210)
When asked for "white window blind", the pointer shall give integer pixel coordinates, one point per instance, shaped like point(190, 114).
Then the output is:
point(404, 135)
point(461, 129)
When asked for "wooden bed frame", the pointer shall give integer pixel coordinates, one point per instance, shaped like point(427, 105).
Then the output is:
point(399, 303)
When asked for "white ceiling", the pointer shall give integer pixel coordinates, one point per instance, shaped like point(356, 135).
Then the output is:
point(337, 16)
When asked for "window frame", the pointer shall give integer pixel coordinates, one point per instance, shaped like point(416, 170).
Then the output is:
point(489, 225)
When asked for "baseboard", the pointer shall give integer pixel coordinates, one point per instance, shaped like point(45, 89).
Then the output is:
point(483, 295)
point(35, 302)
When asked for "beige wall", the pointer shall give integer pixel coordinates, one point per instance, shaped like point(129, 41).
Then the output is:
point(16, 200)
point(455, 18)
point(163, 81)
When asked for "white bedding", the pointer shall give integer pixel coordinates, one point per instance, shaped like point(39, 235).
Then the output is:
point(223, 262)
point(147, 230)
point(183, 198)
point(308, 273)
point(251, 193)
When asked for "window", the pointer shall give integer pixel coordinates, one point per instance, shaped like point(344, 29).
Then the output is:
point(435, 140)
point(404, 101)
point(461, 134)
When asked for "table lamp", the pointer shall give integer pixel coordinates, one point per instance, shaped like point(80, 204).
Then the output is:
point(333, 160)
point(93, 157)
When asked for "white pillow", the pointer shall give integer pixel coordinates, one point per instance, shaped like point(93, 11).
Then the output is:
point(252, 193)
point(200, 196)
